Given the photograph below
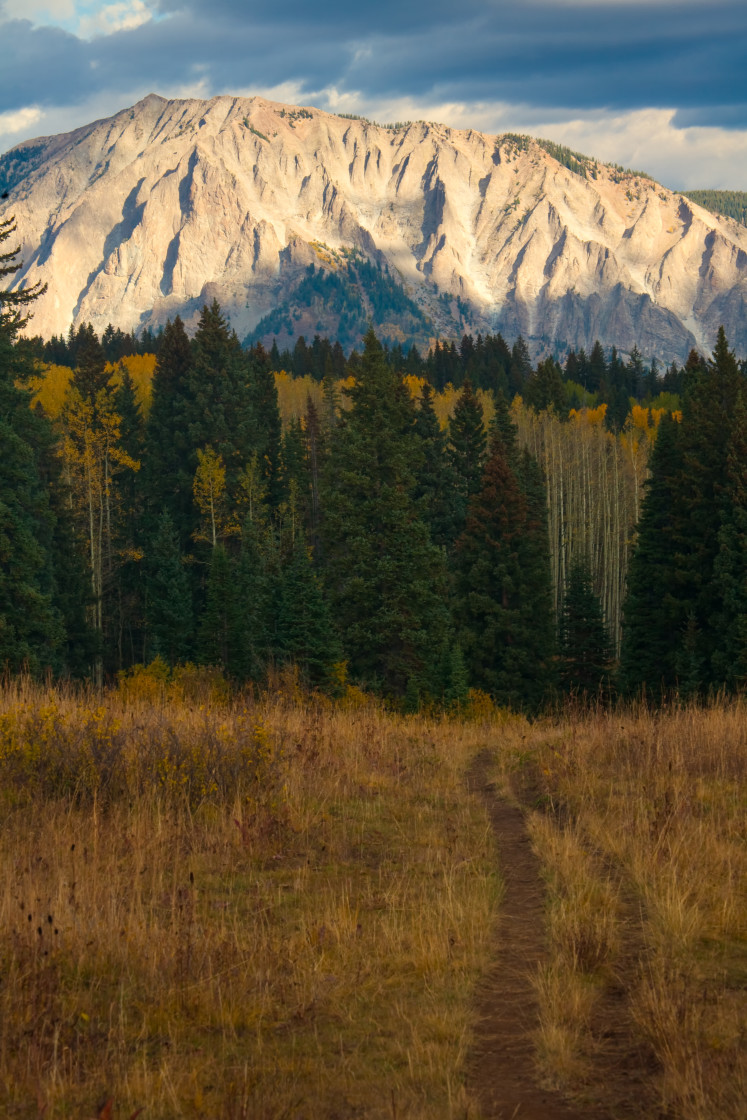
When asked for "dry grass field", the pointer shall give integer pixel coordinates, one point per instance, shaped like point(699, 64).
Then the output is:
point(640, 821)
point(215, 907)
point(244, 910)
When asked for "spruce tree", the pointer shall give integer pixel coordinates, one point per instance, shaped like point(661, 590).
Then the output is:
point(31, 632)
point(220, 411)
point(729, 662)
point(584, 644)
point(386, 578)
point(170, 462)
point(255, 637)
point(306, 636)
point(266, 422)
point(434, 489)
point(674, 613)
point(655, 609)
point(168, 596)
point(218, 622)
point(466, 449)
point(503, 603)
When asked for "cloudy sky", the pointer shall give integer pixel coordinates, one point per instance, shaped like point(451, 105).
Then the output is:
point(657, 85)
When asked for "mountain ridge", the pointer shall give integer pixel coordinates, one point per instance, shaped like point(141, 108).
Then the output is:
point(168, 204)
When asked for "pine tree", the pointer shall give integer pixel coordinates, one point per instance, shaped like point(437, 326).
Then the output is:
point(655, 609)
point(729, 662)
point(386, 579)
point(544, 389)
point(169, 600)
point(126, 622)
point(31, 633)
point(584, 645)
point(90, 375)
point(306, 635)
point(466, 448)
point(255, 639)
point(218, 623)
point(266, 421)
point(503, 608)
point(170, 460)
point(435, 491)
point(219, 407)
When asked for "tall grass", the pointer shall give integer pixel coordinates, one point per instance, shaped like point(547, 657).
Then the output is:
point(218, 909)
point(641, 822)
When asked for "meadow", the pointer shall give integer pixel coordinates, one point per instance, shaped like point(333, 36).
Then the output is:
point(216, 906)
point(230, 908)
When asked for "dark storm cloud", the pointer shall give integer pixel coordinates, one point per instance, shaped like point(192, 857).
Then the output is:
point(574, 56)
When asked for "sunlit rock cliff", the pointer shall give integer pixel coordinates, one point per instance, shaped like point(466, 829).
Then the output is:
point(171, 203)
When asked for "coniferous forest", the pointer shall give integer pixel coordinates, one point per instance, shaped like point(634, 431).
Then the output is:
point(416, 525)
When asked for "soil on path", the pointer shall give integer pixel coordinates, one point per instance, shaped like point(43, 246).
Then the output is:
point(502, 1070)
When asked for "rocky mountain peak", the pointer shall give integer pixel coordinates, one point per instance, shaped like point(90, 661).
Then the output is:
point(168, 204)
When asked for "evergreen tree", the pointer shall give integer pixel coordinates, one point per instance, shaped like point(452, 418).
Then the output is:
point(306, 635)
point(544, 389)
point(466, 448)
point(170, 462)
point(255, 640)
point(218, 623)
point(31, 633)
point(503, 604)
point(708, 413)
point(434, 487)
point(678, 643)
point(655, 610)
point(520, 368)
point(219, 403)
point(267, 422)
point(169, 600)
point(729, 662)
point(386, 579)
point(584, 645)
point(126, 622)
point(90, 375)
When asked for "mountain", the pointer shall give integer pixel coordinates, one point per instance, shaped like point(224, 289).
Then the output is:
point(171, 203)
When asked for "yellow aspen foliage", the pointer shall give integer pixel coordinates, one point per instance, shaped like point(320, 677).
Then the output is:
point(50, 388)
point(292, 395)
point(93, 461)
point(414, 385)
point(141, 368)
point(209, 489)
point(251, 492)
point(592, 417)
point(443, 404)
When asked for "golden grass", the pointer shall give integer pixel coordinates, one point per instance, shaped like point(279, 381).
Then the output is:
point(641, 824)
point(247, 910)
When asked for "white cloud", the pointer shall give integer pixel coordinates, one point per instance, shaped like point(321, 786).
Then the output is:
point(19, 121)
point(113, 17)
point(85, 18)
point(40, 11)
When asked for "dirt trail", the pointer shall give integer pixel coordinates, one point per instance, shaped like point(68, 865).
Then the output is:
point(502, 1072)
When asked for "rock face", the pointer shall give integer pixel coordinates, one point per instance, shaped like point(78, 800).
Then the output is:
point(152, 212)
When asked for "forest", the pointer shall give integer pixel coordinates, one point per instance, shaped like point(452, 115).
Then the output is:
point(425, 528)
